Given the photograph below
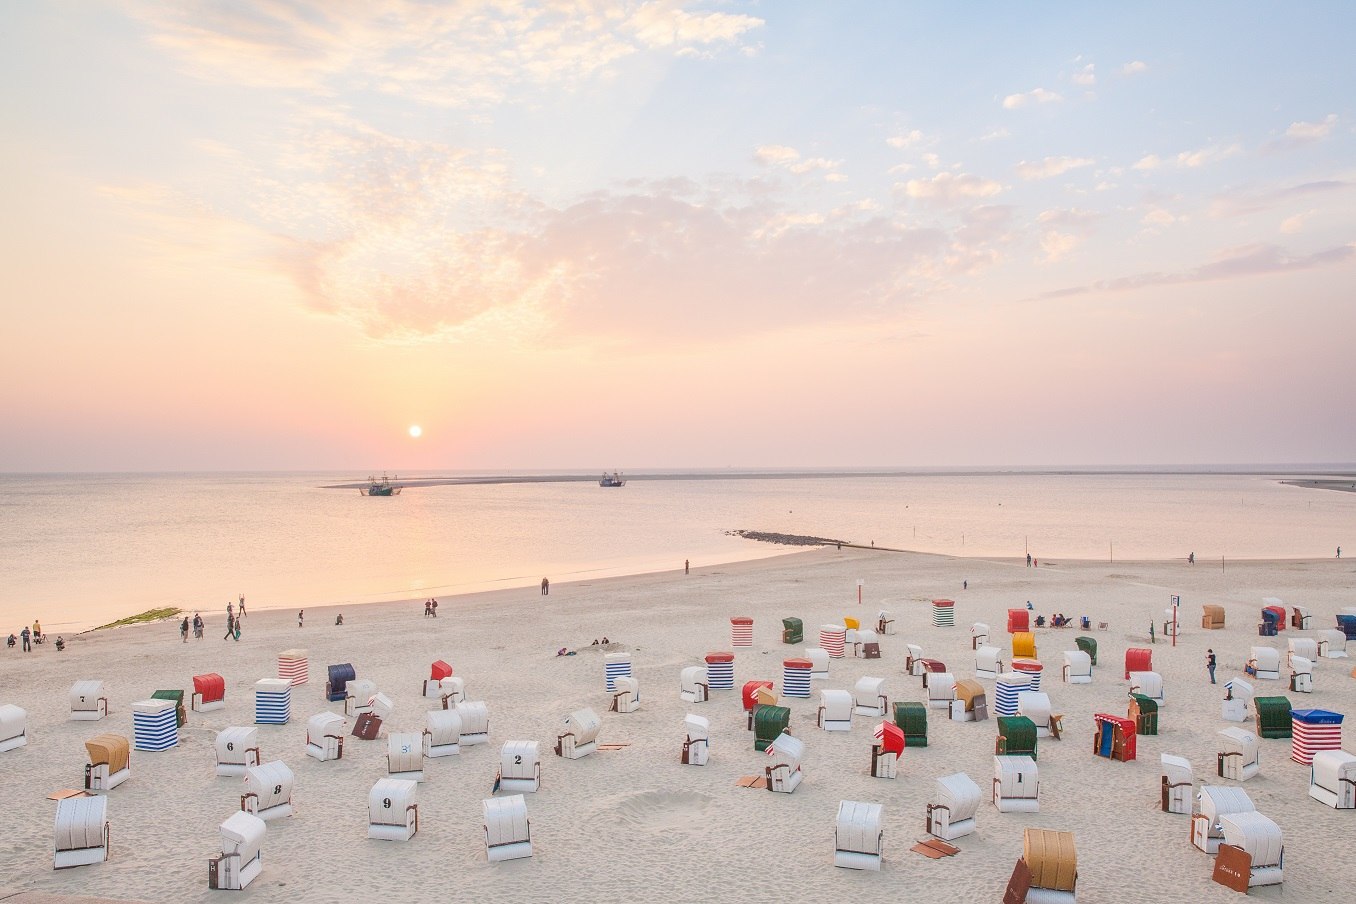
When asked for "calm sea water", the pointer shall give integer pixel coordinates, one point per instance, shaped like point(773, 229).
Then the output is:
point(80, 550)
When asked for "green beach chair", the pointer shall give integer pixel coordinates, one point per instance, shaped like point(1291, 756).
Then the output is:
point(1273, 717)
point(912, 718)
point(1144, 711)
point(1016, 736)
point(178, 698)
point(1088, 645)
point(792, 631)
point(768, 723)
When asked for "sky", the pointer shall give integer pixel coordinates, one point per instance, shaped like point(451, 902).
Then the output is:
point(667, 234)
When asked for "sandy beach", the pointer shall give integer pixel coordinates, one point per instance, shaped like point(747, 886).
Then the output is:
point(634, 823)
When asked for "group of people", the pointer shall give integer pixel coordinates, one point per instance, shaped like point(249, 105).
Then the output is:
point(197, 625)
point(431, 608)
point(30, 636)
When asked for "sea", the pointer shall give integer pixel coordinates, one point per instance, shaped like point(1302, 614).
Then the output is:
point(81, 550)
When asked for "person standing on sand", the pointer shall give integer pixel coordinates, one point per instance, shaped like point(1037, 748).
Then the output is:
point(242, 606)
point(197, 626)
point(434, 603)
point(1210, 664)
point(1028, 560)
point(24, 635)
point(545, 587)
point(428, 608)
point(301, 615)
point(687, 567)
point(183, 629)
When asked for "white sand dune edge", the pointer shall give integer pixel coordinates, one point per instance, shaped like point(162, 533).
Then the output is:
point(634, 823)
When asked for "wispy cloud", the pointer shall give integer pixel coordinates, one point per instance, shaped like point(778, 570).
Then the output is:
point(1064, 229)
point(1134, 67)
point(1087, 76)
point(907, 140)
point(1292, 225)
point(1189, 159)
point(1301, 134)
point(1051, 167)
point(949, 188)
point(1034, 96)
point(790, 159)
point(1242, 203)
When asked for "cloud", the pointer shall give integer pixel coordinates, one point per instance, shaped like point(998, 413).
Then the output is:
point(776, 154)
point(1063, 230)
point(1051, 167)
point(1034, 96)
point(1147, 162)
point(1292, 225)
point(790, 159)
point(995, 135)
point(907, 140)
point(1158, 216)
point(1087, 76)
point(1243, 203)
point(1300, 134)
point(1232, 263)
point(1135, 67)
point(948, 188)
point(1212, 154)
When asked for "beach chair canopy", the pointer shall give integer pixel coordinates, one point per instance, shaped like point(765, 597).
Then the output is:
point(960, 794)
point(1214, 801)
point(211, 687)
point(340, 675)
point(1035, 705)
point(858, 827)
point(518, 759)
point(1254, 833)
point(968, 689)
point(1176, 769)
point(326, 723)
point(988, 658)
point(80, 823)
point(691, 678)
point(1333, 768)
point(1266, 659)
point(1273, 716)
point(768, 723)
point(405, 751)
point(242, 833)
point(584, 725)
point(1024, 644)
point(890, 737)
point(1051, 858)
point(868, 691)
point(84, 694)
point(439, 670)
point(390, 799)
point(443, 727)
point(787, 750)
point(1239, 688)
point(1018, 620)
point(1138, 660)
point(232, 742)
point(13, 721)
point(698, 727)
point(270, 782)
point(837, 705)
point(1018, 734)
point(108, 749)
point(505, 820)
point(746, 695)
point(1087, 645)
point(912, 717)
point(1077, 662)
point(475, 717)
point(1304, 646)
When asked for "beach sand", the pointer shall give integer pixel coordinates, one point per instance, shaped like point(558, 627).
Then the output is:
point(634, 823)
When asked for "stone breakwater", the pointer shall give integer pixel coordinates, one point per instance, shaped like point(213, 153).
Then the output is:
point(786, 539)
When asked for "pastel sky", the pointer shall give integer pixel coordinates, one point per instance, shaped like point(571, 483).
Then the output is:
point(578, 234)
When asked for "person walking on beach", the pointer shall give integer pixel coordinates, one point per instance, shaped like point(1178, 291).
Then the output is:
point(1191, 559)
point(230, 626)
point(1028, 560)
point(301, 617)
point(1210, 664)
point(183, 629)
point(545, 587)
point(197, 626)
point(687, 567)
point(433, 604)
point(428, 608)
point(24, 635)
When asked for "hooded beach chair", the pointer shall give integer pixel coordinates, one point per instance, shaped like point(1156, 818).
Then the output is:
point(405, 755)
point(393, 809)
point(1077, 667)
point(1332, 644)
point(1087, 645)
point(240, 860)
point(1143, 711)
point(1016, 784)
point(819, 665)
point(1332, 779)
point(1035, 705)
point(741, 631)
point(1301, 675)
point(692, 686)
point(1213, 802)
point(887, 750)
point(759, 693)
point(868, 697)
point(579, 737)
point(697, 743)
point(155, 725)
point(1301, 618)
point(175, 696)
point(943, 613)
point(625, 695)
point(272, 701)
point(988, 662)
point(1237, 700)
point(884, 623)
point(1023, 645)
point(1264, 663)
point(209, 693)
point(451, 691)
point(294, 666)
point(1150, 684)
point(1273, 717)
point(615, 665)
point(835, 710)
point(857, 835)
point(442, 733)
point(1314, 730)
point(325, 736)
point(768, 723)
point(979, 635)
point(1261, 840)
point(954, 807)
point(793, 631)
point(237, 749)
point(508, 831)
point(913, 660)
point(941, 690)
point(88, 703)
point(81, 832)
point(358, 696)
point(110, 762)
point(1005, 690)
point(1051, 863)
point(1178, 784)
point(519, 767)
point(1138, 660)
point(971, 703)
point(13, 727)
point(1114, 738)
point(1016, 737)
point(912, 718)
point(1346, 623)
point(336, 687)
point(1172, 622)
point(1306, 647)
point(783, 770)
point(1019, 620)
point(268, 791)
point(437, 672)
point(1238, 758)
point(1212, 617)
point(833, 640)
point(720, 670)
point(475, 722)
point(867, 644)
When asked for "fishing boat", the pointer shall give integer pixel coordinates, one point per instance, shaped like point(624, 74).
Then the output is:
point(382, 487)
point(612, 480)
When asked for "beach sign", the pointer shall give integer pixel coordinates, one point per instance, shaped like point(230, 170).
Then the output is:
point(1233, 868)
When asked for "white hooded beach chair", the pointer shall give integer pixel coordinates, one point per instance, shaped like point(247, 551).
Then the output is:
point(1213, 802)
point(358, 694)
point(1077, 667)
point(697, 744)
point(1237, 700)
point(1238, 754)
point(1149, 684)
point(13, 727)
point(1332, 779)
point(786, 753)
point(452, 691)
point(835, 710)
point(393, 809)
point(405, 755)
point(941, 690)
point(237, 749)
point(1332, 644)
point(378, 705)
point(885, 624)
point(268, 791)
point(519, 767)
point(1264, 663)
point(475, 722)
point(240, 860)
point(1302, 646)
point(1035, 705)
point(110, 762)
point(508, 831)
point(88, 703)
point(1016, 784)
point(1261, 839)
point(1301, 618)
point(442, 733)
point(979, 635)
point(954, 806)
point(1301, 675)
point(625, 695)
point(325, 736)
point(913, 660)
point(819, 663)
point(1179, 784)
point(579, 737)
point(857, 835)
point(81, 832)
point(868, 697)
point(988, 661)
point(692, 686)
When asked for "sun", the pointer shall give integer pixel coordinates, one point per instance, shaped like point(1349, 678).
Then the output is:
point(416, 431)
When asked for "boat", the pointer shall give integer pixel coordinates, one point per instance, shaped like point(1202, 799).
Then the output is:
point(612, 480)
point(382, 487)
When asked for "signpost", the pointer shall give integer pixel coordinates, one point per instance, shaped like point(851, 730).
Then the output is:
point(860, 582)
